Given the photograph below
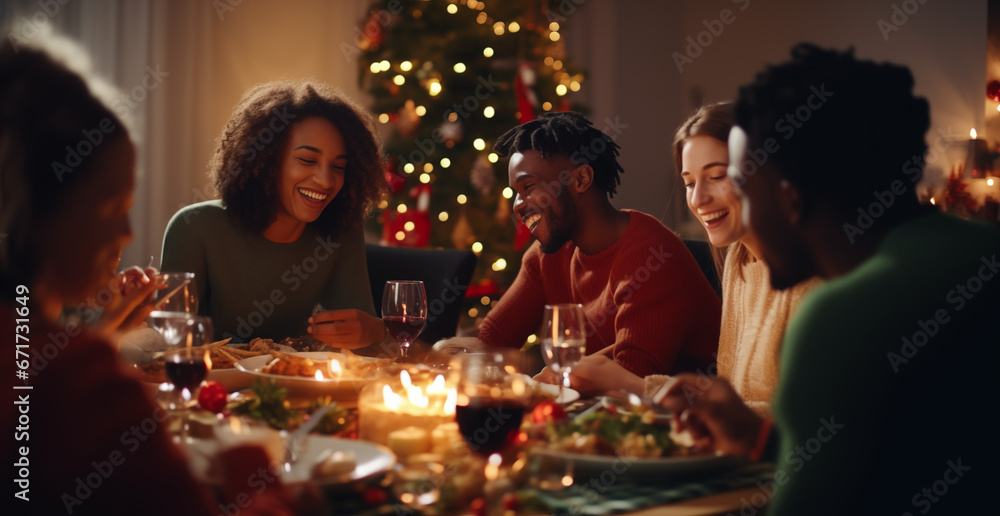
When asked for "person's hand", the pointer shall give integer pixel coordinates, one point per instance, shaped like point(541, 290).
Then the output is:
point(348, 328)
point(131, 301)
point(597, 374)
point(712, 412)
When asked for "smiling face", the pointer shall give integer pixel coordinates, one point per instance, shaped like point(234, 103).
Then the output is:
point(711, 196)
point(313, 163)
point(542, 202)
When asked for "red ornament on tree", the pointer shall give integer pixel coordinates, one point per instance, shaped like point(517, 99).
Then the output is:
point(993, 91)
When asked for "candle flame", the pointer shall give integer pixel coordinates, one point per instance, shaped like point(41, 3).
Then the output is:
point(235, 425)
point(451, 402)
point(932, 201)
point(208, 361)
point(437, 386)
point(319, 374)
point(392, 400)
point(336, 371)
point(972, 134)
point(405, 378)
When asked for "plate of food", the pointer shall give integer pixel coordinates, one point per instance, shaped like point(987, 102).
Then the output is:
point(327, 461)
point(222, 357)
point(633, 446)
point(316, 373)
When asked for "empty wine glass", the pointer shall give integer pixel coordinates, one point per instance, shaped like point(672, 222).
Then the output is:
point(404, 311)
point(178, 294)
point(564, 340)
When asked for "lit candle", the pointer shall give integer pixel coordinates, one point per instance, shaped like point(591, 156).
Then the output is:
point(976, 162)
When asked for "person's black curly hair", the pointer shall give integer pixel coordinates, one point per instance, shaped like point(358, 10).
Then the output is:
point(859, 122)
point(50, 122)
point(247, 162)
point(570, 134)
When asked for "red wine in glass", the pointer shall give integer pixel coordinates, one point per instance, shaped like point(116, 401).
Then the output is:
point(488, 425)
point(404, 328)
point(404, 311)
point(186, 370)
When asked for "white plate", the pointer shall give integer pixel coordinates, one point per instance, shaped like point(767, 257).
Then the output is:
point(340, 389)
point(569, 395)
point(371, 459)
point(642, 470)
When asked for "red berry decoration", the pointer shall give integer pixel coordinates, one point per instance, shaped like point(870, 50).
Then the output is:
point(510, 502)
point(478, 507)
point(375, 497)
point(548, 411)
point(212, 397)
point(993, 91)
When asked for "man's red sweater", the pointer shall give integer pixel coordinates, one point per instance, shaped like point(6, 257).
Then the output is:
point(644, 295)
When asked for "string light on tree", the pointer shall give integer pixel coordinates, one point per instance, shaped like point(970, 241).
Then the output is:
point(462, 199)
point(443, 216)
point(406, 66)
point(477, 247)
point(425, 178)
point(445, 162)
point(408, 168)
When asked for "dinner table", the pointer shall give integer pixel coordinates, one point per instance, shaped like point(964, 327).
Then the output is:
point(550, 484)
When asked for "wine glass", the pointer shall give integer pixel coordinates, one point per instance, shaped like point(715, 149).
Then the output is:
point(178, 294)
point(187, 362)
point(491, 399)
point(172, 325)
point(404, 311)
point(564, 340)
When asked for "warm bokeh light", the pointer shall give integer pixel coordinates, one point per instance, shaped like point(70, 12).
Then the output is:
point(554, 36)
point(989, 182)
point(408, 168)
point(400, 235)
point(493, 157)
point(425, 178)
point(575, 86)
point(488, 51)
point(445, 162)
point(461, 199)
point(384, 118)
point(479, 144)
point(532, 338)
point(428, 167)
point(561, 90)
point(477, 247)
point(488, 112)
point(473, 312)
point(409, 225)
point(421, 111)
point(546, 105)
point(401, 208)
point(508, 193)
point(514, 27)
point(459, 67)
point(972, 134)
point(498, 28)
point(554, 27)
point(384, 65)
point(485, 300)
point(557, 65)
point(434, 88)
point(398, 80)
point(452, 8)
point(406, 66)
point(500, 265)
point(375, 68)
point(443, 216)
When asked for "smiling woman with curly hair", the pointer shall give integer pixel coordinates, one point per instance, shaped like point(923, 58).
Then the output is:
point(297, 168)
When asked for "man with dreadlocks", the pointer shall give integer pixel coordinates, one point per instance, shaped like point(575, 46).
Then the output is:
point(648, 306)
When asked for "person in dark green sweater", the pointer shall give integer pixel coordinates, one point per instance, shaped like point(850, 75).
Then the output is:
point(879, 408)
point(297, 168)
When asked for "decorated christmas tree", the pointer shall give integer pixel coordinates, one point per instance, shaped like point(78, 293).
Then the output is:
point(447, 79)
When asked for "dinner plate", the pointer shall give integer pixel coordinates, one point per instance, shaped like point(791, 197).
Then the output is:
point(371, 459)
point(639, 470)
point(568, 395)
point(340, 389)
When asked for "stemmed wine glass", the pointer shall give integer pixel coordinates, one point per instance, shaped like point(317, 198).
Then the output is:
point(185, 359)
point(564, 340)
point(490, 405)
point(404, 311)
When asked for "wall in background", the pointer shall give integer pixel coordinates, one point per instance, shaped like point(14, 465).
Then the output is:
point(635, 87)
point(943, 43)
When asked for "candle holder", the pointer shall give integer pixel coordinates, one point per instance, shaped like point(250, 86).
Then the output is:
point(405, 411)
